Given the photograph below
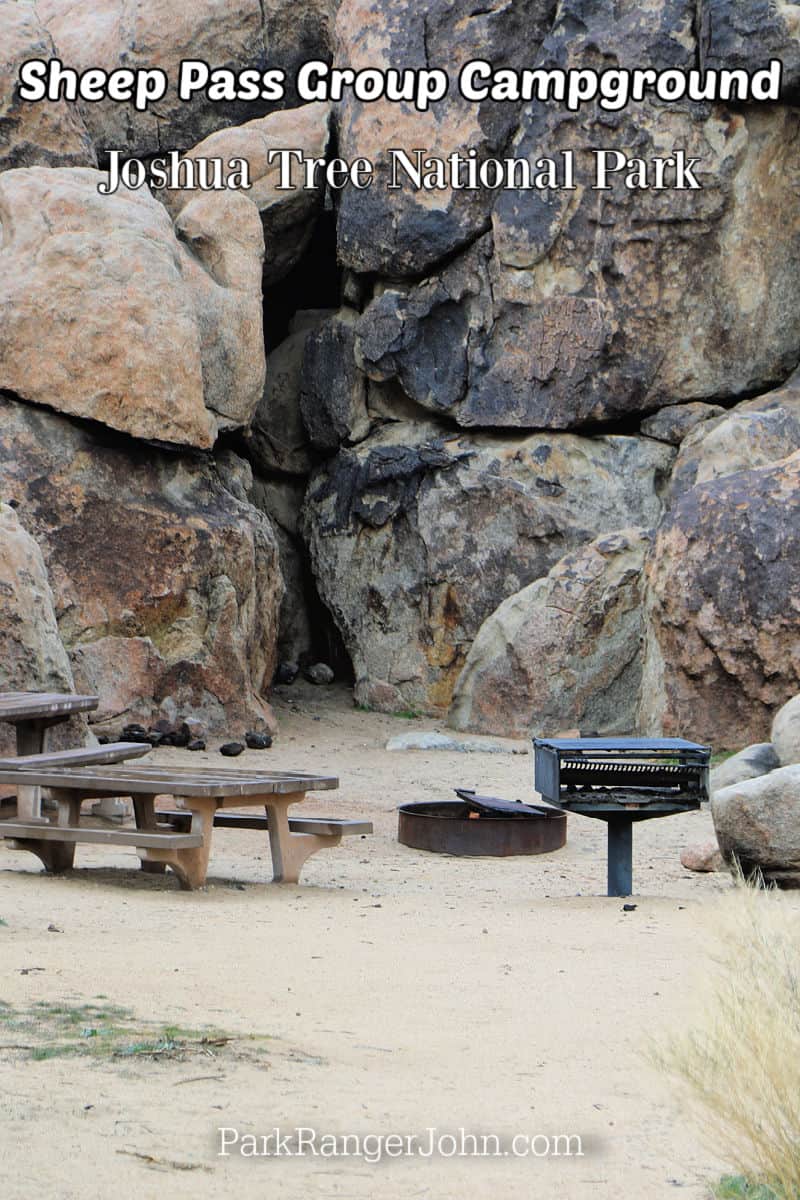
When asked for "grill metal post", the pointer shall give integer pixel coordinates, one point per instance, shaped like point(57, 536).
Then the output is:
point(620, 857)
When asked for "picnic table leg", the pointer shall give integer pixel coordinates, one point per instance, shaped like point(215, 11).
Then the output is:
point(144, 811)
point(31, 739)
point(56, 856)
point(189, 865)
point(291, 850)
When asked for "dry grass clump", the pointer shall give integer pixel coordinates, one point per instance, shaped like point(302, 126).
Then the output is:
point(742, 1061)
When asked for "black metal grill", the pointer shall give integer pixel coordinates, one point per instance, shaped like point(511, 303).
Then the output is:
point(621, 781)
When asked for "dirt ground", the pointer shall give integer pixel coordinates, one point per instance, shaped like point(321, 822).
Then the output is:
point(398, 991)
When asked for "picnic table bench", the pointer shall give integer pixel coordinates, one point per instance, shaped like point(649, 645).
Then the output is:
point(176, 838)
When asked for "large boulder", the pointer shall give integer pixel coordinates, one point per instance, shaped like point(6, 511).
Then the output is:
point(579, 306)
point(50, 134)
point(166, 580)
point(104, 314)
point(758, 824)
point(417, 535)
point(723, 600)
point(32, 655)
point(562, 653)
point(405, 232)
point(749, 763)
point(752, 434)
point(786, 732)
point(239, 34)
point(287, 216)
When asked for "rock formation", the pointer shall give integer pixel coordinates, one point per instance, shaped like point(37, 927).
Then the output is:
point(564, 652)
point(166, 583)
point(416, 537)
point(724, 607)
point(537, 449)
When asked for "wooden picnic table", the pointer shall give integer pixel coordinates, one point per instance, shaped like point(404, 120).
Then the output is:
point(178, 839)
point(33, 714)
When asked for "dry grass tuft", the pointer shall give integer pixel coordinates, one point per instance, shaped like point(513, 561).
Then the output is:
point(742, 1062)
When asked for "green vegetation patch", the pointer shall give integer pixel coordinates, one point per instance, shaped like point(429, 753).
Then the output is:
point(103, 1031)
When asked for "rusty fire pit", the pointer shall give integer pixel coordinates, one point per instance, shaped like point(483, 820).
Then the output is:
point(481, 826)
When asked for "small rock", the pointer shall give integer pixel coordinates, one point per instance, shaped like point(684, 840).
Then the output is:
point(673, 423)
point(103, 739)
point(196, 744)
point(287, 673)
point(704, 858)
point(258, 741)
point(54, 929)
point(232, 749)
point(180, 739)
point(757, 822)
point(163, 726)
point(192, 728)
point(135, 733)
point(319, 673)
point(629, 908)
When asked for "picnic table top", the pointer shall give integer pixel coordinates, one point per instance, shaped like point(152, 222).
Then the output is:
point(174, 781)
point(29, 706)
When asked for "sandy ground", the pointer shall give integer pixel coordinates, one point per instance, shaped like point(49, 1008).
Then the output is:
point(400, 991)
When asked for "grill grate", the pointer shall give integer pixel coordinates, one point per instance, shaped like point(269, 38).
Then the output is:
point(621, 781)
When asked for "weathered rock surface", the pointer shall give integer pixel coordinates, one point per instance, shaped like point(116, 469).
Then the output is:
point(32, 656)
point(581, 306)
point(102, 33)
point(753, 434)
point(723, 602)
point(104, 315)
point(706, 858)
point(675, 422)
point(282, 500)
point(166, 583)
point(758, 822)
point(746, 36)
point(416, 536)
point(406, 232)
point(564, 651)
point(51, 134)
point(287, 217)
point(277, 440)
point(333, 396)
point(786, 732)
point(747, 764)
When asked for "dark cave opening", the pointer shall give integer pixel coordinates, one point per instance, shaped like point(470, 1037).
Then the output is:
point(314, 282)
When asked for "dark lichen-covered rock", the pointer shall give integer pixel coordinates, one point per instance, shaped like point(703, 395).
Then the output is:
point(565, 307)
point(747, 34)
point(405, 232)
point(724, 608)
point(418, 534)
point(333, 398)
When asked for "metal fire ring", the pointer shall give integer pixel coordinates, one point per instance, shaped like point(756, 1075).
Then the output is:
point(446, 827)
